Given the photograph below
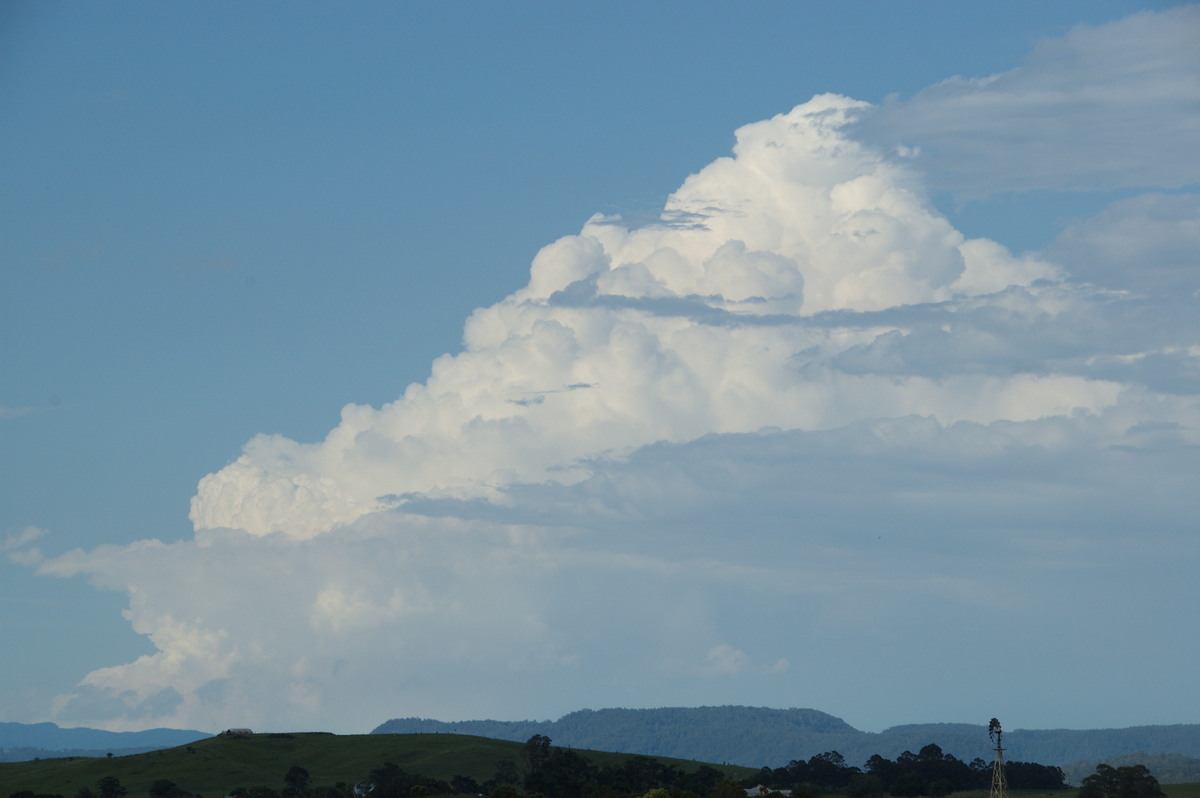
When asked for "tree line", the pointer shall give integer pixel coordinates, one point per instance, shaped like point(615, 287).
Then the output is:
point(929, 772)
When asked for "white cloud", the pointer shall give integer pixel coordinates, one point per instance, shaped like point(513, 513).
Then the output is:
point(801, 220)
point(21, 538)
point(725, 660)
point(798, 421)
point(15, 542)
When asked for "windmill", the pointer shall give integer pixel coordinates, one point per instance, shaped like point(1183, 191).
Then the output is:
point(999, 783)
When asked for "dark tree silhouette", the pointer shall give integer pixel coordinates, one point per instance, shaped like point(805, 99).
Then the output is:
point(1131, 781)
point(161, 788)
point(296, 780)
point(537, 752)
point(110, 787)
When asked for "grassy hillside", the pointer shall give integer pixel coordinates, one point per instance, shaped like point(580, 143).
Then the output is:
point(212, 767)
point(1182, 790)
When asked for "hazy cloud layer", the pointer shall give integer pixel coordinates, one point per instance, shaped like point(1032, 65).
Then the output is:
point(1073, 116)
point(771, 449)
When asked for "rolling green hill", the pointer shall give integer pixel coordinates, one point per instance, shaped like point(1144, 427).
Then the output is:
point(216, 765)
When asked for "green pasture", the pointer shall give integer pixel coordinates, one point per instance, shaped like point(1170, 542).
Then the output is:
point(1182, 790)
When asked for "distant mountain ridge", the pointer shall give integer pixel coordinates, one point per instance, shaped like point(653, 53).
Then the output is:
point(24, 741)
point(756, 737)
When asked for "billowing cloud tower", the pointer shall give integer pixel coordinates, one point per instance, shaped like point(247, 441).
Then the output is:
point(720, 317)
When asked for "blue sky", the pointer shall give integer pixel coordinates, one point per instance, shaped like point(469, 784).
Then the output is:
point(893, 415)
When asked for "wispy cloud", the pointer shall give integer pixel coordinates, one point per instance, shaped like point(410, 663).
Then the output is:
point(15, 543)
point(16, 412)
point(1105, 106)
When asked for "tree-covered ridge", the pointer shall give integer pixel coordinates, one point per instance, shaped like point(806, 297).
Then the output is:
point(754, 736)
point(749, 736)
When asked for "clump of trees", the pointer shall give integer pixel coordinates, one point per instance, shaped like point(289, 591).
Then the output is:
point(928, 772)
point(1131, 781)
point(556, 772)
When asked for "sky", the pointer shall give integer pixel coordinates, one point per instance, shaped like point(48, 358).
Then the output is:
point(497, 360)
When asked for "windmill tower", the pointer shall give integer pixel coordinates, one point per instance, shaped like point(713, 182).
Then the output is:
point(999, 783)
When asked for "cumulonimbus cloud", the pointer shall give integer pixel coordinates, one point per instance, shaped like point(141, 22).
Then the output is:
point(667, 332)
point(799, 393)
